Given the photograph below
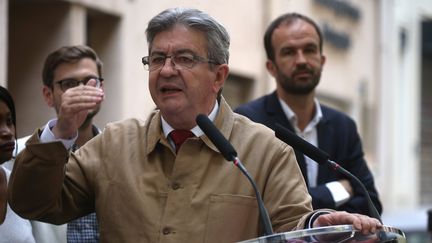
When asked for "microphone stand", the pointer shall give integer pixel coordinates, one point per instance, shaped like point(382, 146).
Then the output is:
point(371, 207)
point(268, 230)
point(229, 153)
point(322, 157)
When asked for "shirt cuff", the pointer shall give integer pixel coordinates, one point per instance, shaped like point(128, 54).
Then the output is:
point(315, 215)
point(340, 195)
point(48, 136)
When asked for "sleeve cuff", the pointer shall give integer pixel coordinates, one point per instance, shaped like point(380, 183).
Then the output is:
point(315, 215)
point(340, 195)
point(48, 136)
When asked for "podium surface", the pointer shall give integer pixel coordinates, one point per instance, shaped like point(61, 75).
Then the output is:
point(333, 234)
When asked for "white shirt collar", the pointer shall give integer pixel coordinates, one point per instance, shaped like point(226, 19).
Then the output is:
point(196, 130)
point(310, 134)
point(292, 117)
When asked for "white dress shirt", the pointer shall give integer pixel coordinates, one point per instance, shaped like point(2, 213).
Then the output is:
point(310, 134)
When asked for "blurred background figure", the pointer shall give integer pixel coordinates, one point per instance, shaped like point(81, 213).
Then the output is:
point(12, 227)
point(293, 43)
point(64, 69)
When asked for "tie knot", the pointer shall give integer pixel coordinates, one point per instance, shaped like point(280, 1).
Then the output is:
point(179, 136)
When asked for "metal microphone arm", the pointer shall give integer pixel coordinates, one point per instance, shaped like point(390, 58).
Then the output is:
point(268, 230)
point(372, 208)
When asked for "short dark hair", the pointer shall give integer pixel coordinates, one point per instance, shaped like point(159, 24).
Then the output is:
point(6, 97)
point(218, 39)
point(67, 54)
point(287, 18)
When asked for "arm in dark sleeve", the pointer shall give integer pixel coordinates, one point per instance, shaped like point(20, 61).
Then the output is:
point(3, 195)
point(358, 203)
point(357, 165)
point(321, 197)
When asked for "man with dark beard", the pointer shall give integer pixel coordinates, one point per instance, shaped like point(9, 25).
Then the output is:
point(293, 43)
point(65, 69)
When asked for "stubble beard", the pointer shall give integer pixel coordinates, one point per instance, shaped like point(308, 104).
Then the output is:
point(291, 86)
point(89, 118)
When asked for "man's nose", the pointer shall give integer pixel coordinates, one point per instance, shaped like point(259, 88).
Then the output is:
point(168, 68)
point(300, 57)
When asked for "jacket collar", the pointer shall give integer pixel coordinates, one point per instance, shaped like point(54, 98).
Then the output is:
point(224, 121)
point(274, 109)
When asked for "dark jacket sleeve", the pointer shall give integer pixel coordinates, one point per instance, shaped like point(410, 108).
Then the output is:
point(338, 136)
point(356, 164)
point(342, 142)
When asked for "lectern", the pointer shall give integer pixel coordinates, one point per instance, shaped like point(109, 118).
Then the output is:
point(333, 234)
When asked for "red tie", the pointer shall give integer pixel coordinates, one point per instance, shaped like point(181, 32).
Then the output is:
point(179, 136)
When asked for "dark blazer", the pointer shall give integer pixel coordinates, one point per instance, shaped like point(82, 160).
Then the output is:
point(337, 135)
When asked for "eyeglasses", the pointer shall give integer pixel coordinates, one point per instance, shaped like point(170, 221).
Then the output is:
point(179, 61)
point(68, 83)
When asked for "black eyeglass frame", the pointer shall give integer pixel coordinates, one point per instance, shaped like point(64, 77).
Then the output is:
point(195, 60)
point(76, 82)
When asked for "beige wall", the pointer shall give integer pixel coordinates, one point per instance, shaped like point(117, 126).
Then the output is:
point(399, 104)
point(3, 41)
point(34, 31)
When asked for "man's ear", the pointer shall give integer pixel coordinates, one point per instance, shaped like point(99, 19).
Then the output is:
point(323, 60)
point(271, 68)
point(48, 94)
point(221, 75)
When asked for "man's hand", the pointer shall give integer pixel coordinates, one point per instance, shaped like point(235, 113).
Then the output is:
point(364, 224)
point(76, 102)
point(3, 195)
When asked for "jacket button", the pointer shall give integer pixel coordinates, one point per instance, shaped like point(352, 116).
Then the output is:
point(166, 231)
point(175, 185)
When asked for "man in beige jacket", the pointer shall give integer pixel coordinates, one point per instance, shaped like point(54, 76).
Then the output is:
point(145, 190)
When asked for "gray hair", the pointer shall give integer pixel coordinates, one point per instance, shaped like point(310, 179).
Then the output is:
point(218, 39)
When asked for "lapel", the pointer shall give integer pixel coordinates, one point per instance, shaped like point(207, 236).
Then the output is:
point(277, 115)
point(326, 134)
point(95, 132)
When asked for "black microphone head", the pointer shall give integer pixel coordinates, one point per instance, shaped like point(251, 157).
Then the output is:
point(216, 137)
point(301, 145)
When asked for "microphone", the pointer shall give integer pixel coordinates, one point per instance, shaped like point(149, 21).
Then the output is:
point(321, 158)
point(216, 137)
point(230, 154)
